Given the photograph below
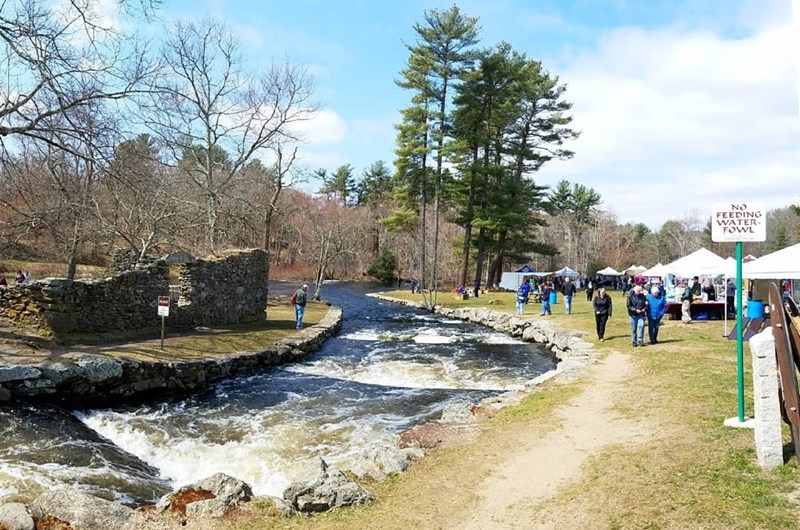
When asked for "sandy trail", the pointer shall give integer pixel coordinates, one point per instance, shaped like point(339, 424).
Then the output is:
point(541, 465)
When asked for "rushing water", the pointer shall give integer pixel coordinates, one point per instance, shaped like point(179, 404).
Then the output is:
point(390, 368)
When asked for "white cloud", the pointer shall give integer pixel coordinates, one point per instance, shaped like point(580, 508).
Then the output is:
point(676, 119)
point(324, 128)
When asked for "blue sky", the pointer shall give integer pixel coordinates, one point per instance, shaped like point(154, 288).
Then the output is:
point(681, 103)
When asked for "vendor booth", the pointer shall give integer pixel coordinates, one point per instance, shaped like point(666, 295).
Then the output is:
point(512, 280)
point(781, 266)
point(705, 264)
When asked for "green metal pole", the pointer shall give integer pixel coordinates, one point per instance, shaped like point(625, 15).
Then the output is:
point(739, 331)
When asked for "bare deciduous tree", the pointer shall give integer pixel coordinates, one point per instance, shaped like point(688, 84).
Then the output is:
point(215, 116)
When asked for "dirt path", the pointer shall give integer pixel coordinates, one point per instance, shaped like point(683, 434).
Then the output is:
point(541, 465)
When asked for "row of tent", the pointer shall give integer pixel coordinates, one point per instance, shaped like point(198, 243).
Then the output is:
point(781, 265)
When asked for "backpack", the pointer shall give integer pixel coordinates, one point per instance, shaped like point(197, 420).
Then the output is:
point(293, 299)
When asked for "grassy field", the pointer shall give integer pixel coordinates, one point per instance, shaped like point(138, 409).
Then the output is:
point(694, 473)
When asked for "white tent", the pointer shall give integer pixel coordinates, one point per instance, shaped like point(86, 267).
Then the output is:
point(609, 271)
point(634, 269)
point(656, 271)
point(781, 265)
point(566, 271)
point(701, 262)
point(512, 280)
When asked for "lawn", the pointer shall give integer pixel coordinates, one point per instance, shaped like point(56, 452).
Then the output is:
point(694, 473)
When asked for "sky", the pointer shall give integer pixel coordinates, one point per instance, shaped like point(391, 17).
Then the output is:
point(680, 103)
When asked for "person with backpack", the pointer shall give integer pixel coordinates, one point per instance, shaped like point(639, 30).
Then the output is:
point(522, 297)
point(299, 299)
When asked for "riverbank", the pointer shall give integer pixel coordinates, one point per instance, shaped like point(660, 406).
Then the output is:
point(638, 443)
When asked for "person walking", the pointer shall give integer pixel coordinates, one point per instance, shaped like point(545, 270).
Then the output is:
point(299, 299)
point(546, 290)
point(589, 290)
point(637, 309)
point(569, 291)
point(656, 307)
point(602, 312)
point(522, 297)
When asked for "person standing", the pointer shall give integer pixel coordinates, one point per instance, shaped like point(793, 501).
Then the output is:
point(546, 290)
point(637, 309)
point(589, 290)
point(300, 298)
point(690, 293)
point(522, 297)
point(602, 312)
point(656, 307)
point(569, 292)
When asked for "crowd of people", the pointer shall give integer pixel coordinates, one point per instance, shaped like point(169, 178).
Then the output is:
point(645, 303)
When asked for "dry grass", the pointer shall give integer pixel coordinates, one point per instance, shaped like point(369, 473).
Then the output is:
point(694, 473)
point(39, 271)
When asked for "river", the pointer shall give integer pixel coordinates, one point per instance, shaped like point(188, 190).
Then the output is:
point(390, 368)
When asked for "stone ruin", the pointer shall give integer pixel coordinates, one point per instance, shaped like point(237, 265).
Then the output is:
point(228, 290)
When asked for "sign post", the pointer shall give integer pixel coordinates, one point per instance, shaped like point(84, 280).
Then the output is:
point(163, 312)
point(737, 222)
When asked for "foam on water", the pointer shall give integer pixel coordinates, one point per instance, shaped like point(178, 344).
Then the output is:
point(442, 374)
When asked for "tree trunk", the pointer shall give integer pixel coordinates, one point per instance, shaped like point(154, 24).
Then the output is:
point(479, 259)
point(495, 269)
point(468, 220)
point(323, 258)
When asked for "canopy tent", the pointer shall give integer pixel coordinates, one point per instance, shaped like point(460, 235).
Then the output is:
point(526, 268)
point(701, 262)
point(656, 271)
point(781, 265)
point(609, 271)
point(634, 269)
point(566, 271)
point(512, 280)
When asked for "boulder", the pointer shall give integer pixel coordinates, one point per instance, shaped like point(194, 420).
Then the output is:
point(99, 369)
point(210, 497)
point(322, 488)
point(435, 434)
point(458, 413)
point(378, 461)
point(15, 516)
point(84, 512)
point(18, 373)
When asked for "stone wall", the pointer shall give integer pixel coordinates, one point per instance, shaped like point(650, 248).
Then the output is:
point(229, 290)
point(127, 259)
point(56, 305)
point(96, 380)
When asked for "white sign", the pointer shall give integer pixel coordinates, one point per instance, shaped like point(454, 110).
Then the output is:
point(738, 221)
point(163, 306)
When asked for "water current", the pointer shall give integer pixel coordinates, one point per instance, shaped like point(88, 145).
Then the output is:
point(390, 368)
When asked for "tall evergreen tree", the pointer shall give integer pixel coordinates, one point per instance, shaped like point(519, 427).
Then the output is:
point(437, 62)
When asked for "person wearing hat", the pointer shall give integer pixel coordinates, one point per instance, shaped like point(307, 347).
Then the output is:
point(299, 299)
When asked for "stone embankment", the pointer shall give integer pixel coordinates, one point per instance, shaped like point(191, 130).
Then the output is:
point(78, 379)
